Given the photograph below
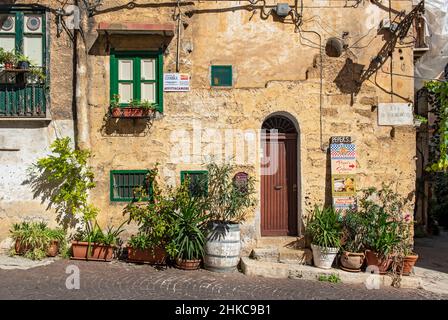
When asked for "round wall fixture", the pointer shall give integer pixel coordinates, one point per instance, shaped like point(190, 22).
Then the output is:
point(33, 23)
point(334, 47)
point(6, 23)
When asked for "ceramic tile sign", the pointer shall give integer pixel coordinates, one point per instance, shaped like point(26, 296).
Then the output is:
point(395, 114)
point(176, 82)
point(344, 203)
point(343, 173)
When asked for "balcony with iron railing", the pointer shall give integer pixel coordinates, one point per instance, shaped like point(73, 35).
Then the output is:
point(22, 94)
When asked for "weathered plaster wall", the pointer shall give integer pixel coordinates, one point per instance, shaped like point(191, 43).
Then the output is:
point(24, 141)
point(276, 70)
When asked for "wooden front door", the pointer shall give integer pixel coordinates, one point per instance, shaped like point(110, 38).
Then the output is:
point(279, 186)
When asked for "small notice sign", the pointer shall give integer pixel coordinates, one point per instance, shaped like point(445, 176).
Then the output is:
point(177, 82)
point(395, 114)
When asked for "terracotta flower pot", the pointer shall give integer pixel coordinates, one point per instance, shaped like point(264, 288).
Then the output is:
point(130, 112)
point(97, 252)
point(8, 65)
point(408, 264)
point(20, 248)
point(352, 261)
point(383, 264)
point(188, 264)
point(53, 248)
point(157, 255)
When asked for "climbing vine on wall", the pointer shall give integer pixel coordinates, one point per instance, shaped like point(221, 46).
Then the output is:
point(440, 90)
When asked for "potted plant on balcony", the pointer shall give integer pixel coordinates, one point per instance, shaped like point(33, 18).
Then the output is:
point(23, 62)
point(380, 210)
point(190, 232)
point(8, 59)
point(227, 204)
point(352, 256)
point(325, 230)
point(156, 222)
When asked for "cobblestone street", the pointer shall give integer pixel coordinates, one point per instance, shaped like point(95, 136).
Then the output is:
point(118, 280)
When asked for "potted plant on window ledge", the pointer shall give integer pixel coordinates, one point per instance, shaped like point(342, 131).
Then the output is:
point(136, 108)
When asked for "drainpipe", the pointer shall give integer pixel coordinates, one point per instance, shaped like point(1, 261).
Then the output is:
point(82, 139)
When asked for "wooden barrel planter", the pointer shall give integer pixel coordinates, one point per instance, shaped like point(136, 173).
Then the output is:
point(222, 248)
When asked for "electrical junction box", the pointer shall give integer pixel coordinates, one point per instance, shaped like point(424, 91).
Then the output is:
point(389, 25)
point(282, 9)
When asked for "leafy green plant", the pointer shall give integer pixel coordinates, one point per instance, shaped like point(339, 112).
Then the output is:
point(35, 237)
point(64, 179)
point(155, 218)
point(324, 227)
point(382, 212)
point(110, 237)
point(190, 232)
point(226, 201)
point(332, 278)
point(353, 226)
point(440, 90)
point(147, 105)
point(139, 241)
point(115, 101)
point(7, 57)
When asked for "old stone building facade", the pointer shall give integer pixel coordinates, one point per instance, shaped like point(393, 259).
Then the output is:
point(248, 65)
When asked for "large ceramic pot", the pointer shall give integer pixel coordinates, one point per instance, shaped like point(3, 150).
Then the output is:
point(408, 264)
point(97, 251)
point(222, 248)
point(323, 257)
point(156, 255)
point(188, 264)
point(351, 261)
point(373, 259)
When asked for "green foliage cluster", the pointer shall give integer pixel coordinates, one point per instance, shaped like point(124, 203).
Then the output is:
point(134, 103)
point(14, 57)
point(226, 201)
point(332, 278)
point(440, 89)
point(69, 177)
point(324, 227)
point(36, 237)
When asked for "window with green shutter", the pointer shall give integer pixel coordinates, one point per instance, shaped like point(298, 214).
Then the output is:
point(197, 182)
point(221, 76)
point(123, 184)
point(23, 93)
point(137, 76)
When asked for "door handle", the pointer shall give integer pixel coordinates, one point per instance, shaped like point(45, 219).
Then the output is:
point(278, 187)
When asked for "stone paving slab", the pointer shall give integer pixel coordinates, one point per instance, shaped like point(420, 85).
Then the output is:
point(119, 280)
point(18, 262)
point(298, 271)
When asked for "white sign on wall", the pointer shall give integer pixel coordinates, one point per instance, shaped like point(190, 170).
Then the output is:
point(176, 82)
point(395, 114)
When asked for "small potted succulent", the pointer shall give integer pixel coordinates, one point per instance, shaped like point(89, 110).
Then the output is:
point(325, 230)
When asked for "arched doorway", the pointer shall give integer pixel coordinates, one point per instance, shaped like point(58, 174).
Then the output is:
point(279, 177)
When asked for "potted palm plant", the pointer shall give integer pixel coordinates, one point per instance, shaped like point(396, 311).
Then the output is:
point(190, 232)
point(352, 256)
point(325, 230)
point(227, 205)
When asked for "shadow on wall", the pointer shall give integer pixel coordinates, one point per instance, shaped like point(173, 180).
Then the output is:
point(134, 127)
point(45, 190)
